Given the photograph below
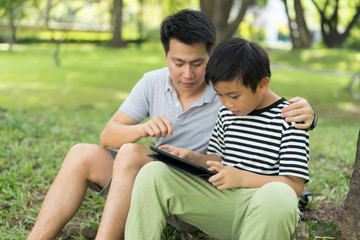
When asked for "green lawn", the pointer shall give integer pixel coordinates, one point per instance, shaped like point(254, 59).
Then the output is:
point(44, 110)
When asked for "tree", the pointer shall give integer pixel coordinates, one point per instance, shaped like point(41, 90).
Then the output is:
point(13, 10)
point(299, 32)
point(117, 40)
point(332, 37)
point(219, 13)
point(349, 220)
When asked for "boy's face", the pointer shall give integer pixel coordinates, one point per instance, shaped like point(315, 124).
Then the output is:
point(239, 99)
point(187, 65)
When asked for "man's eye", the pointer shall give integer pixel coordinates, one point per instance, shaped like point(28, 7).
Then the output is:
point(197, 64)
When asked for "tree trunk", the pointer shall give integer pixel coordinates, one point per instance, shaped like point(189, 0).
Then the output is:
point(304, 34)
point(219, 12)
point(349, 221)
point(117, 40)
point(12, 38)
point(291, 29)
point(329, 26)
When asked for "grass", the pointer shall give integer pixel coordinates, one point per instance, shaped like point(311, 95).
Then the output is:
point(45, 110)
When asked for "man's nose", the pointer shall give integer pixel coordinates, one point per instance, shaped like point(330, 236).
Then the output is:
point(188, 72)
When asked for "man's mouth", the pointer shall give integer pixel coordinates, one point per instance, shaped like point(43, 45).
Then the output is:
point(185, 84)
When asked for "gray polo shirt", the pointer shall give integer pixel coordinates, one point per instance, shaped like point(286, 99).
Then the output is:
point(154, 96)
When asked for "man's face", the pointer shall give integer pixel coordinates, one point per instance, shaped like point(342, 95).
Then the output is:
point(239, 99)
point(187, 65)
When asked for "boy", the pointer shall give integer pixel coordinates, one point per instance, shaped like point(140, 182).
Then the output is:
point(261, 161)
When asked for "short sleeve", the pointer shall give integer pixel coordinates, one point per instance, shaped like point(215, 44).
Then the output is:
point(216, 142)
point(294, 153)
point(137, 103)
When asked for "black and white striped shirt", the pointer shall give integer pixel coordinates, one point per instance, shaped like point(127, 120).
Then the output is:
point(261, 142)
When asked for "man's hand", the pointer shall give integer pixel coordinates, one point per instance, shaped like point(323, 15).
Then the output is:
point(298, 111)
point(156, 127)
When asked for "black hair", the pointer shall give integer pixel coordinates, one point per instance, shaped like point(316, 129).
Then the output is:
point(239, 59)
point(188, 26)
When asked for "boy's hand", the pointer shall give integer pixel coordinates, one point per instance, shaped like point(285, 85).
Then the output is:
point(298, 111)
point(156, 127)
point(226, 178)
point(179, 152)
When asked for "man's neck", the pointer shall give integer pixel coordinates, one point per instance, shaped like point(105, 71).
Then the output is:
point(187, 98)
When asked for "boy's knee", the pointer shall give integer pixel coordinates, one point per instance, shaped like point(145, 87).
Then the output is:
point(276, 198)
point(152, 174)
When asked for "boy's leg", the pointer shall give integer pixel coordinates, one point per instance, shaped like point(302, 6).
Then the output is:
point(83, 163)
point(266, 213)
point(160, 190)
point(272, 211)
point(130, 158)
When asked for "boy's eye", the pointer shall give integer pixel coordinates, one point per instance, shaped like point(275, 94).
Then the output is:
point(234, 97)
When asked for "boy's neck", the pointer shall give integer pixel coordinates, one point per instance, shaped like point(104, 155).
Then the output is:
point(269, 98)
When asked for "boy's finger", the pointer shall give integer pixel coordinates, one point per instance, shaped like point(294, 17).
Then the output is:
point(216, 164)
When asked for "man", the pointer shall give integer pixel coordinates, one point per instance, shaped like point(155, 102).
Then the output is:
point(176, 99)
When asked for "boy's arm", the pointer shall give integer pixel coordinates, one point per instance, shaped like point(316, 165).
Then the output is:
point(231, 177)
point(299, 111)
point(123, 129)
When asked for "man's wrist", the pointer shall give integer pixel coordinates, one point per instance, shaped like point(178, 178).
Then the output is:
point(313, 124)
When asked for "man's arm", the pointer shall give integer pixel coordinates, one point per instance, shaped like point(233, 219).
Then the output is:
point(299, 111)
point(123, 129)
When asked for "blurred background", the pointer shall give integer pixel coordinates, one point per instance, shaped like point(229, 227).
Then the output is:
point(276, 23)
point(66, 66)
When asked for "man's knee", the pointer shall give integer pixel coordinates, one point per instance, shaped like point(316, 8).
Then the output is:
point(87, 159)
point(131, 156)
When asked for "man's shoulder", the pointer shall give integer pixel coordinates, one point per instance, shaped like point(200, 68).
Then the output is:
point(158, 73)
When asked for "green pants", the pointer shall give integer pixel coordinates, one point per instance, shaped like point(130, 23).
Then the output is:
point(269, 212)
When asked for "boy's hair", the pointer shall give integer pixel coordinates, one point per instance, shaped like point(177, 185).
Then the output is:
point(189, 27)
point(239, 59)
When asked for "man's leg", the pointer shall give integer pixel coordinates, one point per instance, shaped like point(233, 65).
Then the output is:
point(83, 163)
point(129, 160)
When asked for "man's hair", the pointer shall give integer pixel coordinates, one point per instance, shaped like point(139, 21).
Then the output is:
point(189, 27)
point(238, 59)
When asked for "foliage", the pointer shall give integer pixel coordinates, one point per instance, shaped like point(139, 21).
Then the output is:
point(45, 110)
point(328, 231)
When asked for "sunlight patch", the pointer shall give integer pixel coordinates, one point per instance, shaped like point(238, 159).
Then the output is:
point(4, 47)
point(122, 95)
point(349, 107)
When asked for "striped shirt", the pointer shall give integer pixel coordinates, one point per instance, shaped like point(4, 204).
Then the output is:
point(261, 142)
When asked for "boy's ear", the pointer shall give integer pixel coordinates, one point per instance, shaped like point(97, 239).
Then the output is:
point(264, 85)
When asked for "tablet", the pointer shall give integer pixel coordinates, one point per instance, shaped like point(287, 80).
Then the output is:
point(180, 163)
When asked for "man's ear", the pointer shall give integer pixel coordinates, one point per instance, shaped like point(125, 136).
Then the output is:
point(264, 85)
